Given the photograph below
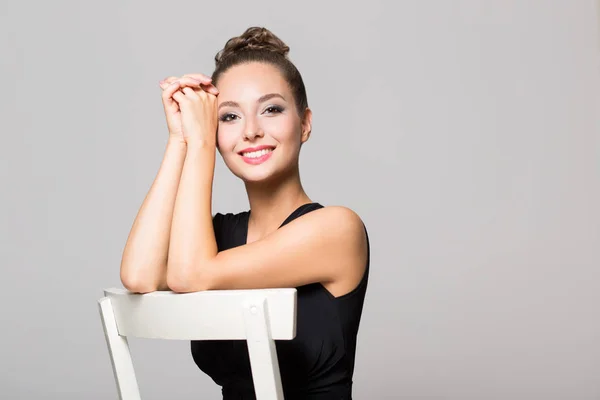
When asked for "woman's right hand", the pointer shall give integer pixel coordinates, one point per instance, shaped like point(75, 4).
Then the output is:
point(170, 86)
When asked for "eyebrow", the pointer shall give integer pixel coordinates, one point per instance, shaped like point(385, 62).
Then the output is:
point(260, 100)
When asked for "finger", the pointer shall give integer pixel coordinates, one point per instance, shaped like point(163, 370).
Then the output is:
point(194, 91)
point(170, 89)
point(200, 77)
point(190, 81)
point(211, 89)
point(167, 81)
point(206, 82)
point(194, 94)
point(180, 98)
point(169, 103)
point(182, 82)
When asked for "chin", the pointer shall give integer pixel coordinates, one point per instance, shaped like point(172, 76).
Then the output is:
point(267, 173)
point(262, 176)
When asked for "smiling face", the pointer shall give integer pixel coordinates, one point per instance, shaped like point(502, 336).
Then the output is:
point(260, 131)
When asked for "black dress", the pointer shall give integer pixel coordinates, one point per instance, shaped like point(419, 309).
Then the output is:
point(318, 363)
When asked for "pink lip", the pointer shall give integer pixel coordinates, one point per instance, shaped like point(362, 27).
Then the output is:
point(257, 148)
point(258, 160)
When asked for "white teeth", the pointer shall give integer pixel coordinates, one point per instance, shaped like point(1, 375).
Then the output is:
point(256, 154)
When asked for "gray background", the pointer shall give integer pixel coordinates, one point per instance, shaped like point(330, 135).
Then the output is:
point(465, 133)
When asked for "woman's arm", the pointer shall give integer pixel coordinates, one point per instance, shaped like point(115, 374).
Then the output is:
point(144, 261)
point(327, 245)
point(193, 235)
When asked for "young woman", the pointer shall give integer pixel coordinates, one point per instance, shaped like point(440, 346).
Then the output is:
point(254, 111)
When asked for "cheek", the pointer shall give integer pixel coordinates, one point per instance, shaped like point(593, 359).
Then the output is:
point(227, 137)
point(282, 129)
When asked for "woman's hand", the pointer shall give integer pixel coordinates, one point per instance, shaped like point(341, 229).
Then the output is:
point(198, 110)
point(172, 85)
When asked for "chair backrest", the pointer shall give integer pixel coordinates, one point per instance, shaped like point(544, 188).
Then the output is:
point(258, 316)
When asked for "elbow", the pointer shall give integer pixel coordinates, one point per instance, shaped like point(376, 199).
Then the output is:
point(177, 283)
point(185, 279)
point(136, 285)
point(176, 278)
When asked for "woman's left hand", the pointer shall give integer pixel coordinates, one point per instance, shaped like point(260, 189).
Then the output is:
point(198, 115)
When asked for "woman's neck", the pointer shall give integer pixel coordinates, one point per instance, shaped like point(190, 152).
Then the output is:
point(272, 203)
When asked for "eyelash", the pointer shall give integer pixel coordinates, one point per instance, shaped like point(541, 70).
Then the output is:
point(275, 108)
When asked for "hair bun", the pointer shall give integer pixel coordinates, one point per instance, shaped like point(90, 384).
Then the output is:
point(254, 38)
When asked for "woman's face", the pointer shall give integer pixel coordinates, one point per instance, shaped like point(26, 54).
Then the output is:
point(259, 131)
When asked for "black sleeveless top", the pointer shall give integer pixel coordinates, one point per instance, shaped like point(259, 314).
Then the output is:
point(318, 363)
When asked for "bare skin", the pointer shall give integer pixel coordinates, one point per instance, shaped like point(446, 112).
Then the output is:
point(326, 246)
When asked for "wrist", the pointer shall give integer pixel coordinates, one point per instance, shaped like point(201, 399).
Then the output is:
point(200, 144)
point(176, 143)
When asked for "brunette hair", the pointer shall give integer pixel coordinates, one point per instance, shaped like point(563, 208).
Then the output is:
point(259, 44)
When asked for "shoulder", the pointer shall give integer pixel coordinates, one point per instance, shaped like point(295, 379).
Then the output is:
point(338, 217)
point(339, 245)
point(326, 245)
point(339, 225)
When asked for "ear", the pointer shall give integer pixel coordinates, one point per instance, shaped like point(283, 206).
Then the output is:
point(306, 125)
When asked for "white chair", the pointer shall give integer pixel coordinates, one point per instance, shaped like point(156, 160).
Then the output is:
point(258, 316)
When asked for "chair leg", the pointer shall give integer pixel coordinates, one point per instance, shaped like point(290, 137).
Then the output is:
point(120, 357)
point(262, 351)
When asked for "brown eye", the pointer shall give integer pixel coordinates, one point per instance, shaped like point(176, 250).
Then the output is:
point(273, 109)
point(227, 117)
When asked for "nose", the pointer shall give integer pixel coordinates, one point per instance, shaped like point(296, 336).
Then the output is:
point(252, 130)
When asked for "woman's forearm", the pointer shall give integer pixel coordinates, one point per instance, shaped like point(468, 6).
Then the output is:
point(144, 261)
point(192, 234)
